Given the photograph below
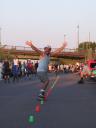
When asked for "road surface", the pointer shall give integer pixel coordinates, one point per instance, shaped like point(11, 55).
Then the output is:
point(69, 105)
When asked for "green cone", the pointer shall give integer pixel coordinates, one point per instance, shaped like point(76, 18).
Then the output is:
point(42, 101)
point(31, 119)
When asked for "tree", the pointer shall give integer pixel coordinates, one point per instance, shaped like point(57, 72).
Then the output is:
point(88, 49)
point(2, 55)
point(87, 45)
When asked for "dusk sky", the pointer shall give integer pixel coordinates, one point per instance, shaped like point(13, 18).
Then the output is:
point(47, 21)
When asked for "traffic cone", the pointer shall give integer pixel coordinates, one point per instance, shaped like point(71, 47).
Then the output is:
point(42, 101)
point(31, 119)
point(37, 109)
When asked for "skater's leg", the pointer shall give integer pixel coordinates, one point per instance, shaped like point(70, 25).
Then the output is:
point(45, 81)
point(44, 89)
point(81, 78)
point(45, 84)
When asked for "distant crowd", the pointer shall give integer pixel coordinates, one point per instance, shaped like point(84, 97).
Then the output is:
point(15, 70)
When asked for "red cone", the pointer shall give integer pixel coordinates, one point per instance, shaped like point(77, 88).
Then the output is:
point(37, 109)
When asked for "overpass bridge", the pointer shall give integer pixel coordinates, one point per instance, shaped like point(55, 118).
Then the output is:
point(27, 53)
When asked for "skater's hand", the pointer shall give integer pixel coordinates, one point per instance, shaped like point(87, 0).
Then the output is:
point(29, 43)
point(59, 50)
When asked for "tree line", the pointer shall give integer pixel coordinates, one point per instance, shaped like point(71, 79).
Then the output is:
point(87, 45)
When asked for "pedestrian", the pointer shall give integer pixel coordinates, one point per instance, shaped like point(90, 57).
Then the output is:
point(6, 70)
point(15, 68)
point(1, 70)
point(36, 66)
point(42, 70)
point(84, 73)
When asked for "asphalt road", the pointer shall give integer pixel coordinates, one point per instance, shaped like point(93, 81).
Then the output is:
point(69, 105)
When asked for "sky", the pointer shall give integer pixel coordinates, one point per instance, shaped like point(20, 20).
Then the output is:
point(47, 21)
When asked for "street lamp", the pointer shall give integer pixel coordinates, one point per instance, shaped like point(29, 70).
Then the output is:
point(64, 38)
point(89, 40)
point(89, 36)
point(78, 36)
point(0, 35)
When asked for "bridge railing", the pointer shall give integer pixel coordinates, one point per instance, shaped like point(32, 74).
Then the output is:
point(22, 48)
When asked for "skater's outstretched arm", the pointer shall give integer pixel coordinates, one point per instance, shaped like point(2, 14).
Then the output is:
point(58, 50)
point(29, 43)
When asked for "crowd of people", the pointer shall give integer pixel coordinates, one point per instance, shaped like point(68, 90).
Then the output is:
point(17, 69)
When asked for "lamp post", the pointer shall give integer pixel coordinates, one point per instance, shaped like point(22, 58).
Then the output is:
point(78, 37)
point(64, 38)
point(89, 37)
point(89, 40)
point(0, 35)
